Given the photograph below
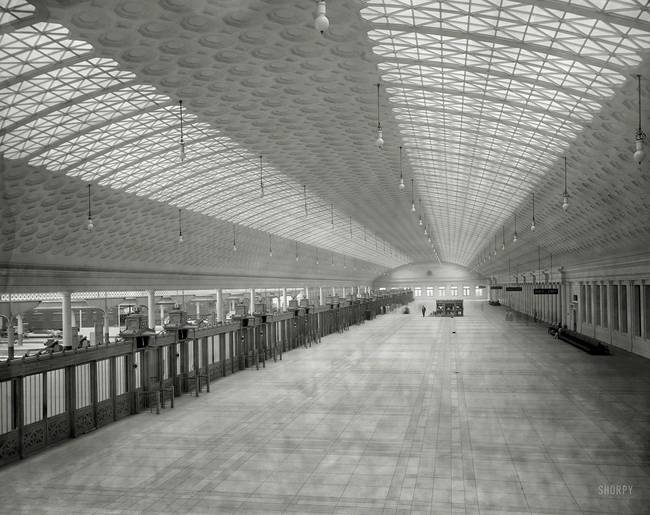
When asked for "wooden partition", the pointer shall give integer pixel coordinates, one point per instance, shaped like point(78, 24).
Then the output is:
point(48, 398)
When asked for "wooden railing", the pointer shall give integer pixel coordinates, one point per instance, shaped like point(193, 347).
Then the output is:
point(48, 398)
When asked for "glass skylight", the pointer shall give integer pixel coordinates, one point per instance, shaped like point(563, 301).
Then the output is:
point(489, 93)
point(66, 109)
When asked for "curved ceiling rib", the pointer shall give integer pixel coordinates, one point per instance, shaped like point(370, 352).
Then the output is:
point(68, 110)
point(488, 94)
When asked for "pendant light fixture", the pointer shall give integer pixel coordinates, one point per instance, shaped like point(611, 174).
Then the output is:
point(270, 248)
point(317, 260)
point(401, 171)
point(532, 224)
point(495, 245)
point(297, 258)
point(565, 195)
point(332, 214)
point(514, 236)
point(234, 239)
point(180, 109)
point(380, 140)
point(321, 22)
point(261, 178)
point(426, 232)
point(503, 236)
point(90, 226)
point(412, 198)
point(640, 137)
point(180, 228)
point(420, 219)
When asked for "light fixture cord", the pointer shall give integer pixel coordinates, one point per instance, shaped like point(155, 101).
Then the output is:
point(401, 172)
point(533, 206)
point(565, 192)
point(304, 189)
point(89, 214)
point(412, 194)
point(378, 120)
point(261, 176)
point(180, 108)
point(638, 77)
point(180, 226)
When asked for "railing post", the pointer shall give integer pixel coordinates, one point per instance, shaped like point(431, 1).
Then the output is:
point(18, 415)
point(112, 384)
point(71, 397)
point(93, 390)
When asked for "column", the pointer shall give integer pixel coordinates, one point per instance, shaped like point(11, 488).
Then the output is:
point(10, 336)
point(592, 301)
point(151, 306)
point(343, 291)
point(198, 309)
point(67, 319)
point(307, 292)
point(643, 300)
point(106, 321)
point(321, 299)
point(283, 303)
point(219, 306)
point(19, 323)
point(251, 307)
point(630, 319)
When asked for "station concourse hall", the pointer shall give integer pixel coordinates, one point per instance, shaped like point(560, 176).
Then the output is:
point(325, 256)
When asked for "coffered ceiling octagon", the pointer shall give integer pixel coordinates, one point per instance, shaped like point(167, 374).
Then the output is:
point(486, 97)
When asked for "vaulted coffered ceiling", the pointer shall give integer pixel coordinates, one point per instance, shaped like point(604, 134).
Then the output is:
point(485, 97)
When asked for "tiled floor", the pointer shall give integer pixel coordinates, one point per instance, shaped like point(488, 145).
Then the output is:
point(399, 415)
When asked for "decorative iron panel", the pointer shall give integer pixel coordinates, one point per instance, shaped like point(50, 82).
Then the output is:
point(58, 428)
point(84, 420)
point(104, 412)
point(33, 437)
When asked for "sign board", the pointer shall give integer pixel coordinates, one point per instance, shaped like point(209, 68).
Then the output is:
point(545, 291)
point(493, 287)
point(481, 287)
point(513, 288)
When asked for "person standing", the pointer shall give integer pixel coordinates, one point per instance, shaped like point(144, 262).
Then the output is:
point(424, 310)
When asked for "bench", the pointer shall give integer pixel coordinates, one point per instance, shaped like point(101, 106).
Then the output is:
point(583, 342)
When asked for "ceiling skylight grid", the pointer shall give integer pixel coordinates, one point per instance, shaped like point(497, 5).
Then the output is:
point(503, 87)
point(68, 110)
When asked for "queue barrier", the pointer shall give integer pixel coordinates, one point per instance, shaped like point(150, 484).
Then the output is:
point(47, 398)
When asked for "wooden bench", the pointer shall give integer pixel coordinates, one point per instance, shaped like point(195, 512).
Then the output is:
point(583, 342)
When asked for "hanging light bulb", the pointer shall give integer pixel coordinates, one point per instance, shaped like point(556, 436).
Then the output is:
point(234, 239)
point(270, 248)
point(514, 237)
point(425, 230)
point(180, 108)
point(401, 172)
point(412, 198)
point(90, 226)
point(180, 228)
point(317, 260)
point(297, 258)
point(532, 225)
point(640, 137)
point(495, 245)
point(380, 140)
point(565, 195)
point(321, 22)
point(420, 222)
point(503, 236)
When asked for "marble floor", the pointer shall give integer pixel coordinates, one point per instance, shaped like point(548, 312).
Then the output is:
point(399, 415)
